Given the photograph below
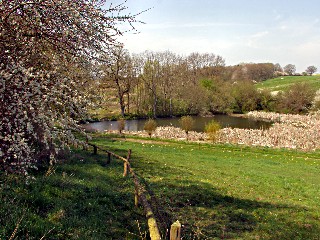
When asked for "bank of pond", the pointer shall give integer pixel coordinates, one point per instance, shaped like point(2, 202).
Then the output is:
point(265, 129)
point(199, 123)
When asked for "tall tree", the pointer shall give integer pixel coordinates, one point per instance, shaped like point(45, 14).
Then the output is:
point(290, 69)
point(119, 71)
point(311, 70)
point(40, 101)
point(151, 77)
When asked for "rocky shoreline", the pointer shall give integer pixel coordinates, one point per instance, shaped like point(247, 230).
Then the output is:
point(288, 131)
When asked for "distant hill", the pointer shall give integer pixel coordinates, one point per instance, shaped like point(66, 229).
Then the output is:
point(282, 83)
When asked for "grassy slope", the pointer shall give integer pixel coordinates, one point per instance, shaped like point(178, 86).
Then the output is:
point(233, 192)
point(277, 84)
point(215, 191)
point(91, 201)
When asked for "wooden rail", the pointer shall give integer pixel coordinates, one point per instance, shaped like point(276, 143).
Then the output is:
point(140, 193)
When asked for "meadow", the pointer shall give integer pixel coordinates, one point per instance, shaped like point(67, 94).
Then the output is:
point(283, 83)
point(215, 191)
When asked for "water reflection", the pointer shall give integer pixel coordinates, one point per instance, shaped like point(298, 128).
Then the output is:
point(200, 122)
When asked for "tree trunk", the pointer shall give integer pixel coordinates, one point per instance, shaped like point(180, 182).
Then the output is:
point(122, 105)
point(155, 103)
point(128, 105)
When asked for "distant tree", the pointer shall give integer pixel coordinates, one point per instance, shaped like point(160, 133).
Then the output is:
point(120, 72)
point(277, 67)
point(266, 101)
point(220, 97)
point(259, 71)
point(278, 70)
point(152, 76)
point(246, 97)
point(290, 69)
point(311, 70)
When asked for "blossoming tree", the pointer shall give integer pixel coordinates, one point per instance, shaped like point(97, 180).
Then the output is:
point(46, 50)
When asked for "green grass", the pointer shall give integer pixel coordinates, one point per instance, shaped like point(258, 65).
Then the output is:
point(282, 83)
point(83, 199)
point(232, 192)
point(215, 191)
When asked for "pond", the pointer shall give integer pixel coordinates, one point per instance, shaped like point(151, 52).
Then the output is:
point(200, 122)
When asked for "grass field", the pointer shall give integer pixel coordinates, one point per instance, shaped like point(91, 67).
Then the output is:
point(282, 83)
point(233, 192)
point(215, 191)
point(83, 199)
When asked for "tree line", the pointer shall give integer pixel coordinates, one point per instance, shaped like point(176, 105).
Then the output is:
point(158, 84)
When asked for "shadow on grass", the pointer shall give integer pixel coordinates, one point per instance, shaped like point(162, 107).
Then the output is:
point(206, 214)
point(81, 200)
point(210, 213)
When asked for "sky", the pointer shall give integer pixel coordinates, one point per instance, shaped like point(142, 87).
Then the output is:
point(241, 31)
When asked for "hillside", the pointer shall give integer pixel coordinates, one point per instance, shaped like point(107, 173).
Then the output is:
point(282, 83)
point(215, 191)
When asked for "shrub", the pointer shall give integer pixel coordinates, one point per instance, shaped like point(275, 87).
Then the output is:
point(246, 97)
point(266, 101)
point(316, 105)
point(150, 126)
point(212, 129)
point(121, 125)
point(186, 124)
point(297, 99)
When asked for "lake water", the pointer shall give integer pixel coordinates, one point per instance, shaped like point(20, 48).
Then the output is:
point(200, 122)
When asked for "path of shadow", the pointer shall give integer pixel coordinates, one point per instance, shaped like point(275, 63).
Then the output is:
point(206, 213)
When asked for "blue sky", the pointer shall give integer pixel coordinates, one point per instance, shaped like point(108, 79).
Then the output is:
point(277, 31)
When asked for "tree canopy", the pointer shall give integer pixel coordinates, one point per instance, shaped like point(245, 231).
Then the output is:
point(45, 46)
point(311, 70)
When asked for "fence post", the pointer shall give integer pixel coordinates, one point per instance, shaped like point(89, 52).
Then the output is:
point(125, 169)
point(175, 231)
point(125, 164)
point(95, 150)
point(136, 197)
point(109, 158)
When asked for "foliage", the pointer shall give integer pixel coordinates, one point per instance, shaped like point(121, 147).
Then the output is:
point(266, 101)
point(278, 68)
point(119, 72)
point(246, 97)
point(297, 99)
point(311, 70)
point(187, 123)
point(220, 99)
point(212, 129)
point(150, 126)
point(45, 47)
point(316, 105)
point(290, 69)
point(259, 71)
point(72, 202)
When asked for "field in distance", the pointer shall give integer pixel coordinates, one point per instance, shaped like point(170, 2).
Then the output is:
point(283, 83)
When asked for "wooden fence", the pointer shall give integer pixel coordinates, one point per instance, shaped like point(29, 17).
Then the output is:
point(140, 196)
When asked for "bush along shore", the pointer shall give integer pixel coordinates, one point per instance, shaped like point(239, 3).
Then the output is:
point(288, 131)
